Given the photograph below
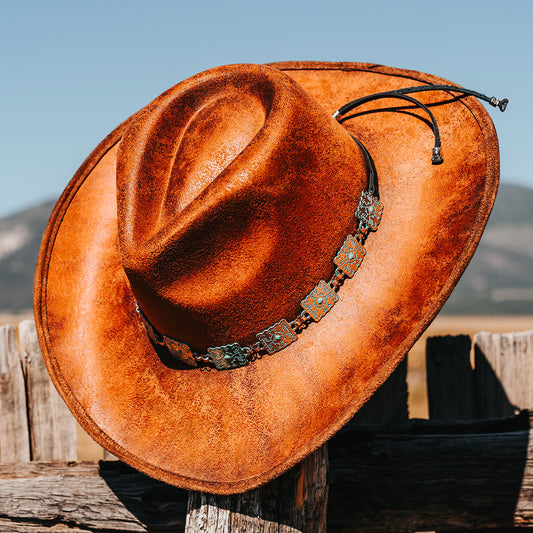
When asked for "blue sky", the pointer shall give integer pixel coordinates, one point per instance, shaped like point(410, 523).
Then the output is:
point(71, 71)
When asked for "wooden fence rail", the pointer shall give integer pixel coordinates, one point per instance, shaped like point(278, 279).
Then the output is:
point(469, 467)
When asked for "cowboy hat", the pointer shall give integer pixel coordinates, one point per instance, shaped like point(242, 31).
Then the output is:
point(212, 303)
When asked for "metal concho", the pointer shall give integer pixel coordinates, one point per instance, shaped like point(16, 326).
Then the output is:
point(319, 301)
point(229, 356)
point(277, 337)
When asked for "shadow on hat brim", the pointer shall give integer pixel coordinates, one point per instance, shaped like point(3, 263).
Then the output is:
point(230, 431)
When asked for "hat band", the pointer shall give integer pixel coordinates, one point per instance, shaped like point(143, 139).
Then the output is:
point(314, 306)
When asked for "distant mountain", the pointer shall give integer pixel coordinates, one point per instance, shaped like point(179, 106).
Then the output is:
point(20, 238)
point(499, 280)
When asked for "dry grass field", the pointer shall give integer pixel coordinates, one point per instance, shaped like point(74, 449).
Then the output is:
point(11, 318)
point(442, 325)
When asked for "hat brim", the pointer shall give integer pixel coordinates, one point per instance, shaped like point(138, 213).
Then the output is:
point(230, 431)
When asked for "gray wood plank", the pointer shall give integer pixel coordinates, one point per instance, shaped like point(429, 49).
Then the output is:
point(503, 372)
point(14, 434)
point(52, 426)
point(8, 526)
point(428, 482)
point(450, 380)
point(88, 496)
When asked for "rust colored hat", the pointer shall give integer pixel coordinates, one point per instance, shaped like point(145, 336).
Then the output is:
point(185, 286)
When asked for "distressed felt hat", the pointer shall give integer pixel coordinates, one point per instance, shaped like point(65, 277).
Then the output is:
point(232, 272)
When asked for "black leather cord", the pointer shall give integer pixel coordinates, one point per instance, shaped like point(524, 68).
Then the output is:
point(436, 157)
point(372, 180)
point(492, 100)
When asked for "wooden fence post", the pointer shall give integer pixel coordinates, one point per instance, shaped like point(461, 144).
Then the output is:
point(295, 502)
point(450, 381)
point(14, 435)
point(52, 426)
point(503, 373)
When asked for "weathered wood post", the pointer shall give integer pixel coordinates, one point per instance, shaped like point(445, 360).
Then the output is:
point(503, 373)
point(296, 501)
point(52, 426)
point(498, 385)
point(450, 381)
point(35, 424)
point(14, 434)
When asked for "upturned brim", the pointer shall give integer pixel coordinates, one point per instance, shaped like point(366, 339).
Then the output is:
point(230, 431)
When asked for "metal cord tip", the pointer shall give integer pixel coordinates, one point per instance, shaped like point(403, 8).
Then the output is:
point(503, 104)
point(496, 102)
point(436, 158)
